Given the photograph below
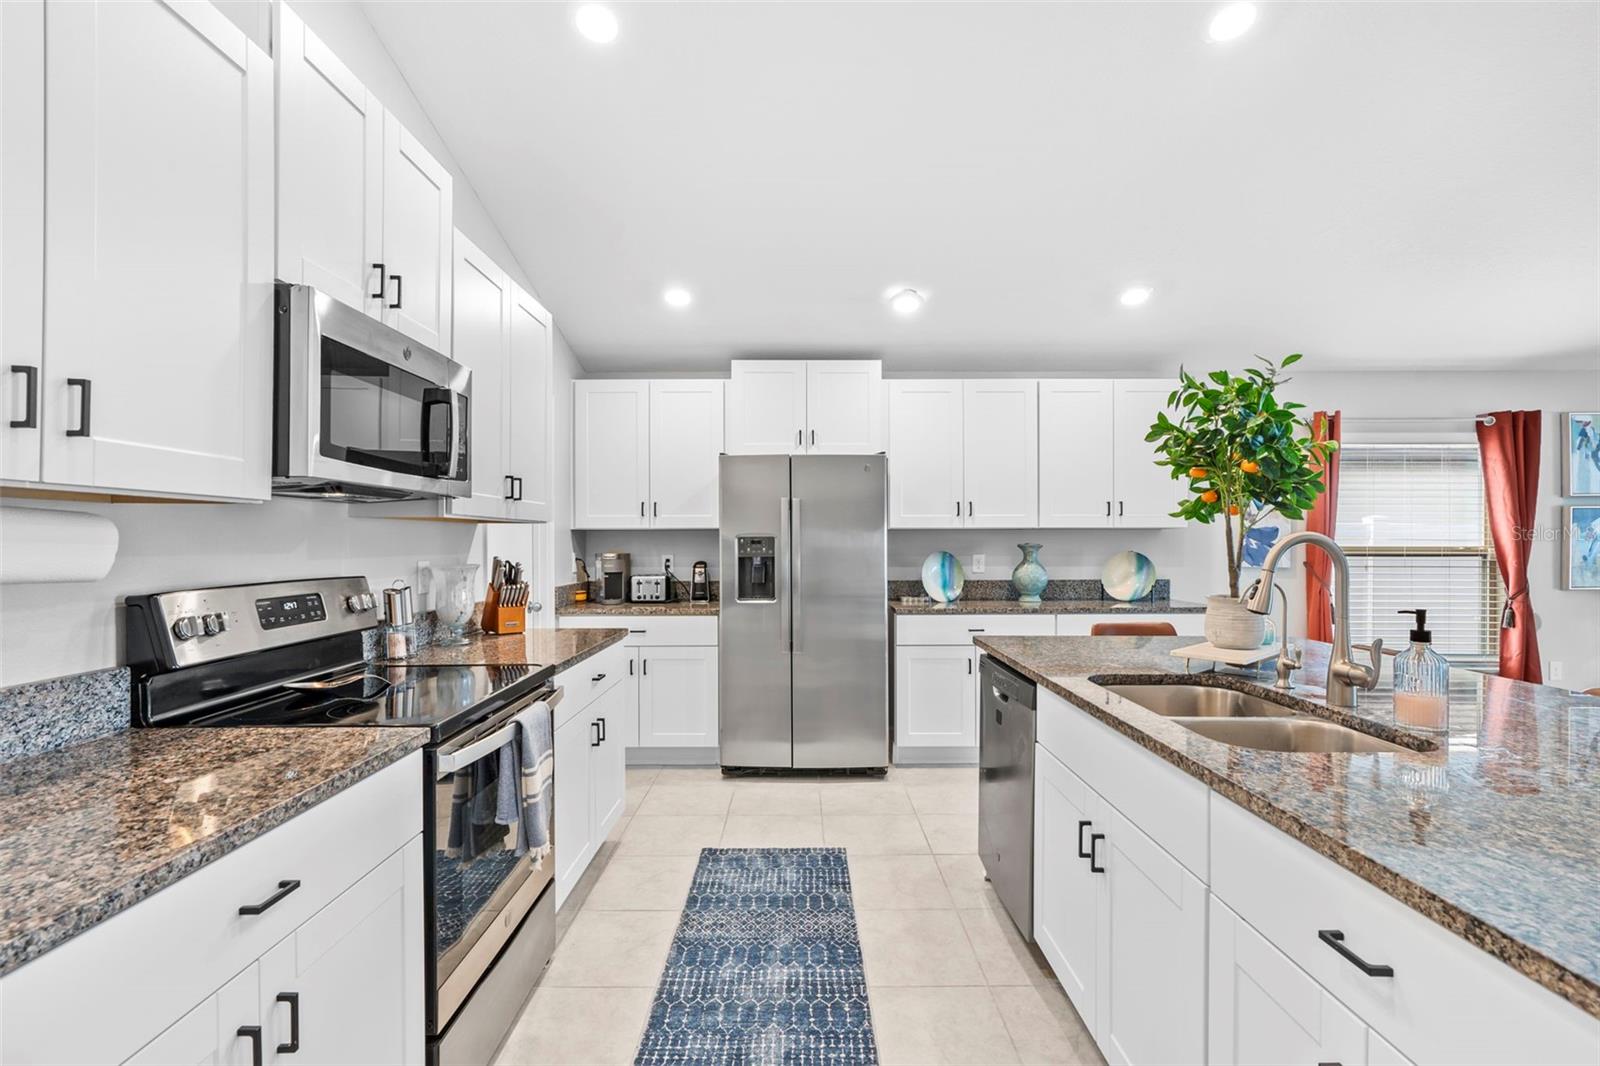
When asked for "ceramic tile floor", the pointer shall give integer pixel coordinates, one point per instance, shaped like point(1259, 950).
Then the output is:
point(948, 978)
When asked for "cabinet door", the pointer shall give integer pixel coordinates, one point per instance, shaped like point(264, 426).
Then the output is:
point(418, 220)
point(1265, 1010)
point(608, 762)
point(935, 696)
point(844, 407)
point(611, 454)
point(685, 443)
point(1151, 946)
point(925, 455)
point(678, 697)
point(767, 407)
point(574, 816)
point(349, 982)
point(1000, 437)
point(1064, 888)
point(21, 236)
point(210, 1033)
point(627, 724)
point(158, 260)
point(1145, 493)
point(479, 329)
point(330, 171)
point(530, 414)
point(1076, 486)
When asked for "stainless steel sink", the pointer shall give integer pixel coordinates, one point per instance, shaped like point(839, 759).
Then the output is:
point(1287, 734)
point(1200, 701)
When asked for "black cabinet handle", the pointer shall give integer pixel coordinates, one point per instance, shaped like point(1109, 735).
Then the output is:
point(969, 666)
point(602, 730)
point(30, 383)
point(644, 667)
point(381, 269)
point(518, 480)
point(293, 999)
point(284, 888)
point(511, 487)
point(969, 508)
point(597, 678)
point(1081, 827)
point(594, 728)
point(252, 1033)
point(655, 509)
point(1335, 940)
point(399, 290)
point(958, 508)
point(799, 437)
point(1094, 853)
point(630, 667)
point(1108, 508)
point(1119, 508)
point(85, 405)
point(641, 508)
point(813, 438)
point(975, 629)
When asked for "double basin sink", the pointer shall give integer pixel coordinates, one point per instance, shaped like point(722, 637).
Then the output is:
point(1238, 718)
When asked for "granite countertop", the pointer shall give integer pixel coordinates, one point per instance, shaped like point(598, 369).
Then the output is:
point(684, 608)
point(92, 829)
point(1048, 607)
point(1491, 832)
point(557, 648)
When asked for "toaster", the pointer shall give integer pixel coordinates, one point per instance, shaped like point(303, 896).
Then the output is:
point(651, 588)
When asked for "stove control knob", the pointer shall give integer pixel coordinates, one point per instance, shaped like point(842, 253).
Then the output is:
point(213, 624)
point(184, 628)
point(361, 601)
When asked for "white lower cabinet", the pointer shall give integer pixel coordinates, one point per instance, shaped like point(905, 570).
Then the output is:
point(936, 696)
point(678, 697)
point(591, 762)
point(326, 908)
point(1065, 920)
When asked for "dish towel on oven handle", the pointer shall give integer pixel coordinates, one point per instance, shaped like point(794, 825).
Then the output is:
point(535, 750)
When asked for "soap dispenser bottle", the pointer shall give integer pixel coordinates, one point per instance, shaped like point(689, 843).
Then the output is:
point(1421, 681)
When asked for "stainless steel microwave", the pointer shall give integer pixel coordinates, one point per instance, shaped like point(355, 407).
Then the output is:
point(361, 411)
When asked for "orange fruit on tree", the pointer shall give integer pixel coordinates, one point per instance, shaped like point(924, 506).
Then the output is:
point(1197, 471)
point(1233, 508)
point(1210, 496)
point(1250, 466)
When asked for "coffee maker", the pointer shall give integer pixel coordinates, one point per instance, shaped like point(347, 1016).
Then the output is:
point(614, 577)
point(699, 583)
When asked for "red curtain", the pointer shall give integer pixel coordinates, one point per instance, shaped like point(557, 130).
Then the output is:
point(1508, 441)
point(1324, 515)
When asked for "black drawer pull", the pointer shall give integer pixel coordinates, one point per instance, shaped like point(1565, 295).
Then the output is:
point(594, 731)
point(252, 1033)
point(1082, 854)
point(1094, 853)
point(511, 487)
point(398, 291)
point(519, 489)
point(597, 678)
point(1335, 940)
point(284, 888)
point(293, 999)
point(30, 383)
point(602, 730)
point(85, 405)
point(381, 269)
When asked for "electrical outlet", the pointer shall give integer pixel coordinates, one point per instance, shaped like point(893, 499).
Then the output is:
point(666, 563)
point(978, 564)
point(1558, 670)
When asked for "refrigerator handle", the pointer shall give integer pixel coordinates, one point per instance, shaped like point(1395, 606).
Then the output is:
point(796, 578)
point(785, 589)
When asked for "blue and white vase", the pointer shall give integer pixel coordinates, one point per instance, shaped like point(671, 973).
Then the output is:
point(942, 577)
point(1030, 577)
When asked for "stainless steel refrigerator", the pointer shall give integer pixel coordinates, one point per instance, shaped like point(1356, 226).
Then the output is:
point(804, 633)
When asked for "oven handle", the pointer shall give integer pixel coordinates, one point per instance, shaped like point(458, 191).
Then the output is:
point(451, 761)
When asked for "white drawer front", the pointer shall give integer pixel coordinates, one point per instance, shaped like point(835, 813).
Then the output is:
point(1162, 800)
point(1448, 1002)
point(650, 630)
point(961, 628)
point(587, 681)
point(1078, 625)
point(105, 994)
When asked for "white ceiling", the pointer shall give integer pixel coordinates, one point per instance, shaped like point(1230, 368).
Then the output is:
point(1396, 185)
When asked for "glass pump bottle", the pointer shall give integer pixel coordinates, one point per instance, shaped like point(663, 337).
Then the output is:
point(1421, 681)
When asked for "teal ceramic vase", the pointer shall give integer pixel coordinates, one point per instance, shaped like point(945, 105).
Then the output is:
point(1030, 577)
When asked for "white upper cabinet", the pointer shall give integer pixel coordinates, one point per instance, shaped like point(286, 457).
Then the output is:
point(844, 407)
point(1000, 449)
point(610, 454)
point(21, 236)
point(481, 343)
point(795, 406)
point(530, 411)
point(685, 443)
point(1076, 485)
point(330, 171)
point(767, 407)
point(158, 255)
point(926, 488)
point(418, 218)
point(1146, 495)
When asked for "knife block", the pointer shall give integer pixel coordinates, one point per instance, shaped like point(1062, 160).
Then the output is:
point(498, 618)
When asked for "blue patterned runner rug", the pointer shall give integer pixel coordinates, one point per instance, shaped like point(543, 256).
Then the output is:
point(765, 967)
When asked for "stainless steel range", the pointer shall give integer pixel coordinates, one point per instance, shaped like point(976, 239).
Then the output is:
point(290, 654)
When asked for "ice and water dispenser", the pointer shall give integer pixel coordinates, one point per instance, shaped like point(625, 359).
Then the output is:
point(757, 580)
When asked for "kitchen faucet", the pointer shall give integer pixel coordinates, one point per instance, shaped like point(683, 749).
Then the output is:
point(1345, 675)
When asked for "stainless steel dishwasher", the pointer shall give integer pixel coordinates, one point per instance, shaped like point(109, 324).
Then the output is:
point(1005, 788)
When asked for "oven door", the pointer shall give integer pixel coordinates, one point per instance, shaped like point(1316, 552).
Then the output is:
point(358, 403)
point(479, 885)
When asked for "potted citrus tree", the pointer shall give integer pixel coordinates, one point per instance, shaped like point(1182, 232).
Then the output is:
point(1246, 456)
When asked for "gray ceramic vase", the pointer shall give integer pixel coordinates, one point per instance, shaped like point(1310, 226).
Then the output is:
point(1030, 577)
point(1229, 624)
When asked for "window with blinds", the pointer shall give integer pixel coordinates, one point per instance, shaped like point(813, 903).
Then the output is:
point(1412, 519)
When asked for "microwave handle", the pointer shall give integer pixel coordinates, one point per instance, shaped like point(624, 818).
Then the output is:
point(432, 398)
point(450, 762)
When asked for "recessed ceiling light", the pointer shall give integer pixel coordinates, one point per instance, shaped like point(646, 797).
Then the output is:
point(1135, 296)
point(1231, 20)
point(596, 22)
point(676, 296)
point(906, 301)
